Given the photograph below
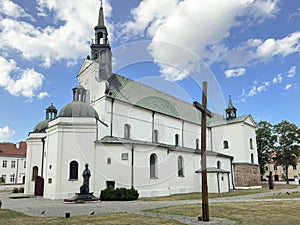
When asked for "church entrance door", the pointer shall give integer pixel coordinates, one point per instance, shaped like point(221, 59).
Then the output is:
point(39, 186)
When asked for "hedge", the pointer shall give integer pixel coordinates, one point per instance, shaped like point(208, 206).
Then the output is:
point(119, 194)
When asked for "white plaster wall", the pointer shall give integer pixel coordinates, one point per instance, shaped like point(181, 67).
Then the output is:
point(19, 170)
point(33, 158)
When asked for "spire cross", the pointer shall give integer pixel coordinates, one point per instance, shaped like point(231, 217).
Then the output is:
point(204, 114)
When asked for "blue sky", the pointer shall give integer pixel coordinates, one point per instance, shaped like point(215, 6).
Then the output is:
point(245, 48)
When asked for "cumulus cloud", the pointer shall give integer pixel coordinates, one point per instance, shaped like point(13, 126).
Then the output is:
point(199, 26)
point(235, 72)
point(43, 95)
point(292, 71)
point(288, 86)
point(277, 79)
point(11, 9)
point(26, 83)
point(69, 39)
point(6, 133)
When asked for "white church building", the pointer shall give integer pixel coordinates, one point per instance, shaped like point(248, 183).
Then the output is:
point(132, 135)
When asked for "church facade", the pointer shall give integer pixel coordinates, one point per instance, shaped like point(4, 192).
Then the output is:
point(135, 136)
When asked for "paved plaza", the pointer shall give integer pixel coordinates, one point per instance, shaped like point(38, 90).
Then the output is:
point(38, 206)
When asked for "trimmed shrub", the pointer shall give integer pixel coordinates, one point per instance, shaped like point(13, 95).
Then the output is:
point(119, 194)
point(15, 190)
point(21, 190)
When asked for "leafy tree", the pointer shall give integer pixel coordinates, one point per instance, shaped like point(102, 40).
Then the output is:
point(265, 140)
point(287, 145)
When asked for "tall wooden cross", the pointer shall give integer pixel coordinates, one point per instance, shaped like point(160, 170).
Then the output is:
point(204, 114)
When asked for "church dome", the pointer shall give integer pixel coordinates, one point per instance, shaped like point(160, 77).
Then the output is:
point(51, 113)
point(78, 109)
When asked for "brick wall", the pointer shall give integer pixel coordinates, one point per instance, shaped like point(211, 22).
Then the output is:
point(246, 175)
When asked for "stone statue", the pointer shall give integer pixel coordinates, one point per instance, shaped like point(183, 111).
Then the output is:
point(84, 189)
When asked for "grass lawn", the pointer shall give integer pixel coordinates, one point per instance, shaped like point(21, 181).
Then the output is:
point(190, 196)
point(17, 218)
point(282, 196)
point(254, 213)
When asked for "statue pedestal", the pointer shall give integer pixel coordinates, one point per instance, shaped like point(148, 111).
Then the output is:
point(82, 198)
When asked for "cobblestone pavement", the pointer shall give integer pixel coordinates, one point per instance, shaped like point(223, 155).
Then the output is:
point(36, 205)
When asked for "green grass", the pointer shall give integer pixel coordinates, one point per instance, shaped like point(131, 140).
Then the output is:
point(8, 217)
point(254, 213)
point(282, 196)
point(235, 192)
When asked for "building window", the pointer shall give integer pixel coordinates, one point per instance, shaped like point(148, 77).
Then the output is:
point(219, 164)
point(124, 156)
point(12, 178)
point(294, 167)
point(127, 131)
point(197, 144)
point(153, 166)
point(180, 166)
point(176, 139)
point(252, 158)
point(35, 171)
point(13, 164)
point(266, 168)
point(155, 136)
point(73, 173)
point(24, 164)
point(225, 144)
point(251, 143)
point(108, 162)
point(4, 163)
point(275, 167)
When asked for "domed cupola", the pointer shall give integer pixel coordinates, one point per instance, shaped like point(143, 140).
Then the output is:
point(51, 113)
point(79, 107)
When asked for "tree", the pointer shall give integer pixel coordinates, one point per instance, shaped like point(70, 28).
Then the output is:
point(265, 140)
point(287, 145)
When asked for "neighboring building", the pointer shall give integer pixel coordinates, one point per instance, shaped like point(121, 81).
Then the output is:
point(132, 135)
point(278, 172)
point(13, 162)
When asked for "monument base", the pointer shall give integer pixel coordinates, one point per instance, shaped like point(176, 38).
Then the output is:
point(82, 198)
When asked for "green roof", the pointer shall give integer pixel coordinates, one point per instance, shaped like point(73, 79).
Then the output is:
point(138, 94)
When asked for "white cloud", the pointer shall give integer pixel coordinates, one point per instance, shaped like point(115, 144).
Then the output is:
point(255, 89)
point(70, 40)
point(6, 133)
point(11, 9)
point(257, 50)
point(43, 95)
point(292, 71)
point(235, 72)
point(288, 86)
point(27, 82)
point(277, 79)
point(199, 26)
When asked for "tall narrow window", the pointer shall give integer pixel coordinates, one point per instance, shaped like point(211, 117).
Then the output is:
point(225, 144)
point(153, 166)
point(219, 164)
point(155, 136)
point(251, 143)
point(176, 139)
point(252, 158)
point(13, 164)
point(35, 172)
point(4, 163)
point(180, 166)
point(197, 144)
point(127, 131)
point(73, 173)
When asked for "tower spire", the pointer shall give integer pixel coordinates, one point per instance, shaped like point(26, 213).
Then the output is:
point(230, 110)
point(101, 16)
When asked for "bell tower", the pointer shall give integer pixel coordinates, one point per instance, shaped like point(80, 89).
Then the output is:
point(230, 110)
point(100, 48)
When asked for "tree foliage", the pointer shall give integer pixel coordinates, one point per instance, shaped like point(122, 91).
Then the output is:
point(265, 140)
point(287, 145)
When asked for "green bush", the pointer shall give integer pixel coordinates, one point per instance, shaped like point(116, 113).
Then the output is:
point(15, 190)
point(21, 190)
point(119, 194)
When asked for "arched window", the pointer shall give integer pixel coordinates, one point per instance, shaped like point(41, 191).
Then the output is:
point(252, 158)
point(155, 136)
point(197, 144)
point(180, 166)
point(251, 143)
point(219, 165)
point(127, 131)
point(225, 144)
point(73, 172)
point(176, 139)
point(153, 166)
point(35, 172)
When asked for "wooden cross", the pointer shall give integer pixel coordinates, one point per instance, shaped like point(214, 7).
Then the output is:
point(204, 114)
